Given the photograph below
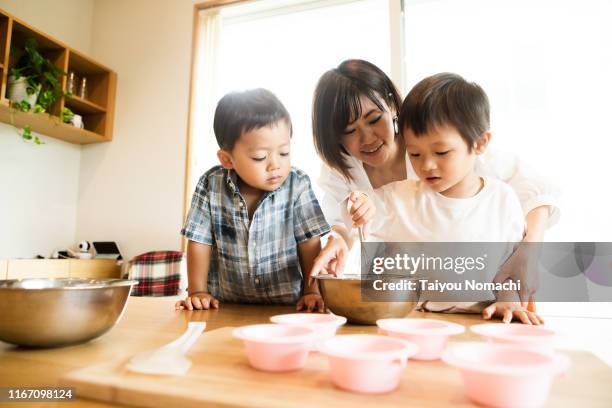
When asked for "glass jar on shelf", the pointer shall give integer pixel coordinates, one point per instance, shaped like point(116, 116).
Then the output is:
point(72, 83)
point(83, 89)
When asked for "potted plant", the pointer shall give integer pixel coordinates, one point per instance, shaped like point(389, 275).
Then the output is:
point(34, 84)
point(35, 80)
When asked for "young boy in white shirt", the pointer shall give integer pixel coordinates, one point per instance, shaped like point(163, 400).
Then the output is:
point(445, 124)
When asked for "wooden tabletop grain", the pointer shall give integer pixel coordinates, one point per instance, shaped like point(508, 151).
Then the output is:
point(151, 322)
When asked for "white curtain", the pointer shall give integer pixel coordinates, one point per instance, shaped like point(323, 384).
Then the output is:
point(204, 90)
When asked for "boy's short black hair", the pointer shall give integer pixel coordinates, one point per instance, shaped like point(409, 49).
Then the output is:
point(239, 112)
point(336, 104)
point(446, 99)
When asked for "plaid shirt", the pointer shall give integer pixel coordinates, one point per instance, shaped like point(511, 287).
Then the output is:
point(257, 261)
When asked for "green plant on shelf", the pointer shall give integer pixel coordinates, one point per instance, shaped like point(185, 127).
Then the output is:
point(42, 78)
point(66, 115)
point(26, 131)
point(39, 72)
point(26, 134)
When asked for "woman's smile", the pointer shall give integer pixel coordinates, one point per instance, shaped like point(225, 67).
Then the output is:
point(372, 149)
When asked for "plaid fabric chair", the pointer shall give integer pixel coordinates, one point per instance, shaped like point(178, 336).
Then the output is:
point(159, 273)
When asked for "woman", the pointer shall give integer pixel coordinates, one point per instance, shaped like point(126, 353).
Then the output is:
point(356, 134)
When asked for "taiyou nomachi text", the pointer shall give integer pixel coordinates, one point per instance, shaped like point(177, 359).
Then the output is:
point(438, 286)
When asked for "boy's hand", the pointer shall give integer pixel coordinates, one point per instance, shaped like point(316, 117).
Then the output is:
point(197, 301)
point(511, 310)
point(311, 302)
point(361, 210)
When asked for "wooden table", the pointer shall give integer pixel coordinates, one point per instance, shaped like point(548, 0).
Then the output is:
point(151, 322)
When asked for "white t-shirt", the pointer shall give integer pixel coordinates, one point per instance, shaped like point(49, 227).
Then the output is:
point(411, 212)
point(532, 190)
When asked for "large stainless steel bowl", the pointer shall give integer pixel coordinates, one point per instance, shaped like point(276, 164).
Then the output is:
point(59, 312)
point(343, 296)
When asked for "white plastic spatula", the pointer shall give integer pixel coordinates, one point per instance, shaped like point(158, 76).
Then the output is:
point(169, 359)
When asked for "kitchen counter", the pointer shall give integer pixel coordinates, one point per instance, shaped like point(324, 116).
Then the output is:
point(152, 322)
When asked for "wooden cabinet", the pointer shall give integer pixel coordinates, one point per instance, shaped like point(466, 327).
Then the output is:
point(38, 268)
point(59, 268)
point(94, 268)
point(97, 108)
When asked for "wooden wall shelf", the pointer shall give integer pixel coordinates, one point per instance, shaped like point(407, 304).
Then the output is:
point(97, 109)
point(50, 126)
point(83, 105)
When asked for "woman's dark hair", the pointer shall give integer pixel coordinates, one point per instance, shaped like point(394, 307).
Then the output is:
point(239, 112)
point(336, 104)
point(446, 99)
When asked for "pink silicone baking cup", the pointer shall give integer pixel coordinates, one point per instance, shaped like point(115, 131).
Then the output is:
point(367, 363)
point(504, 375)
point(536, 337)
point(324, 325)
point(276, 347)
point(429, 334)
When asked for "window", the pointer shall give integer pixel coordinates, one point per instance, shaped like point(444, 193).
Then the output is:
point(546, 67)
point(284, 46)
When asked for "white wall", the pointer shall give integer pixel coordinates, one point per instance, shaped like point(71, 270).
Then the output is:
point(131, 190)
point(39, 184)
point(67, 20)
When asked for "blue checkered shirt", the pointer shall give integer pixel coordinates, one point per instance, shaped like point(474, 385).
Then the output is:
point(257, 261)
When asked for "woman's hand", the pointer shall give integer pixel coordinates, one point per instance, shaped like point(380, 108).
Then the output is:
point(361, 210)
point(521, 266)
point(331, 259)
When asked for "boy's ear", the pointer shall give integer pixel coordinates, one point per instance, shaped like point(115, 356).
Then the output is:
point(483, 141)
point(225, 159)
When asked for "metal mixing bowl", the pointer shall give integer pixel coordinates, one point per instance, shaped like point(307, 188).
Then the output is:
point(59, 312)
point(343, 296)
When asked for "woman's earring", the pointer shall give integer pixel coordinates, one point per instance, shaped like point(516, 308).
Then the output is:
point(395, 125)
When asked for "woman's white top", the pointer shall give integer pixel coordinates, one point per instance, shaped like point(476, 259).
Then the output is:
point(532, 189)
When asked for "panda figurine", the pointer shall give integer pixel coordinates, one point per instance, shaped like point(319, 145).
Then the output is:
point(84, 247)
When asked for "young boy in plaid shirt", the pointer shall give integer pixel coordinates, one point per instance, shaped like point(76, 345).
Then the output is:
point(254, 222)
